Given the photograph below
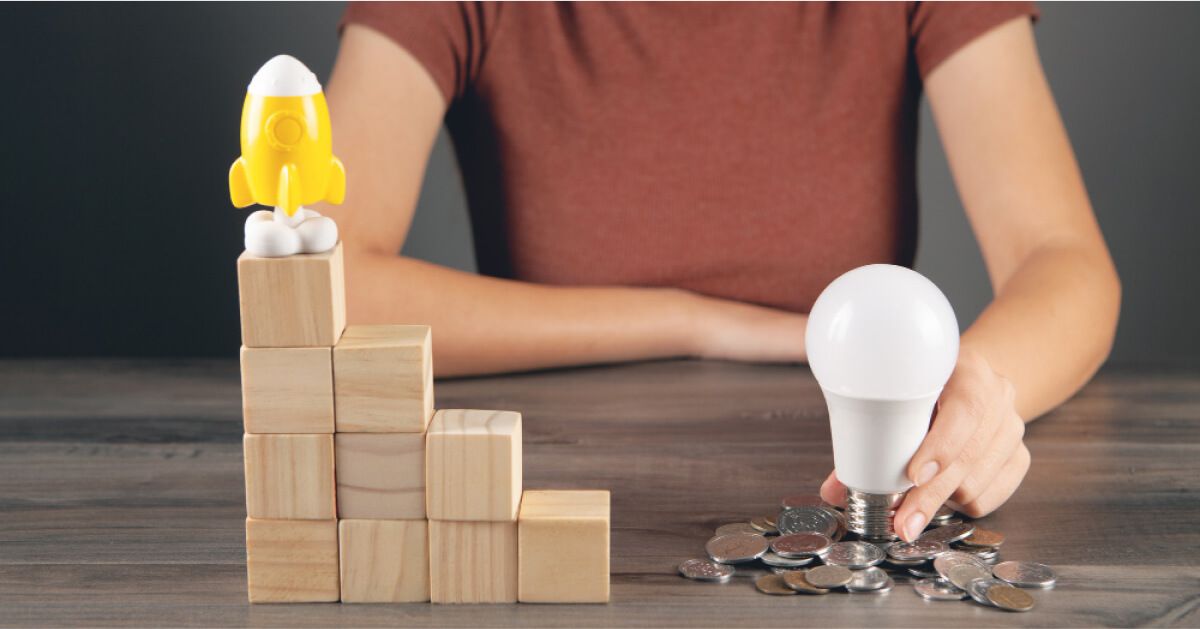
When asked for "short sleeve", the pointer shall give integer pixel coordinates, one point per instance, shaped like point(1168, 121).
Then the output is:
point(939, 29)
point(450, 39)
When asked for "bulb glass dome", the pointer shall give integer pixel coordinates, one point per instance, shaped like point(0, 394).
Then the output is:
point(882, 332)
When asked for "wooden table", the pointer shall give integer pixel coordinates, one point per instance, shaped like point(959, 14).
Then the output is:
point(121, 499)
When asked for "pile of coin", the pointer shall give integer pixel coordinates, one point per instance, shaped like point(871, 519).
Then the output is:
point(953, 559)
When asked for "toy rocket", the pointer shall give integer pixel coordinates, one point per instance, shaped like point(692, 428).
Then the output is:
point(287, 157)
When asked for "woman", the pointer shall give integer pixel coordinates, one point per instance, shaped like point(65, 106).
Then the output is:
point(653, 180)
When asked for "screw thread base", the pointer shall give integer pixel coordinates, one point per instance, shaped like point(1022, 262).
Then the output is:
point(870, 515)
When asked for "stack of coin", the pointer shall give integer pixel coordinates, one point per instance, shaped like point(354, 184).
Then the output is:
point(954, 559)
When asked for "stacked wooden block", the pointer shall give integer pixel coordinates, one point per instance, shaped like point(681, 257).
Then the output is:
point(357, 491)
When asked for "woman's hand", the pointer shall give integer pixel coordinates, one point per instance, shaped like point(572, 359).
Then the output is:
point(973, 456)
point(731, 330)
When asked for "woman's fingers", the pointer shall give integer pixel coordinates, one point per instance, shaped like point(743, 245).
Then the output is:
point(1003, 486)
point(923, 501)
point(833, 491)
point(970, 408)
point(987, 465)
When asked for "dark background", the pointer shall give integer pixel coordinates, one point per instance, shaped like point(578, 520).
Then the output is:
point(120, 122)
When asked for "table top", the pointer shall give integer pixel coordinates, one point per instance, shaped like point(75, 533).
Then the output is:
point(121, 496)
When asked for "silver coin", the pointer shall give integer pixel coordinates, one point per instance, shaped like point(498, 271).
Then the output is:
point(943, 513)
point(905, 563)
point(922, 573)
point(944, 562)
point(803, 500)
point(828, 576)
point(807, 520)
point(883, 589)
point(981, 552)
point(781, 570)
point(938, 590)
point(736, 548)
point(948, 533)
point(920, 549)
point(801, 545)
point(735, 527)
point(978, 590)
point(771, 559)
point(963, 574)
point(1026, 574)
point(705, 570)
point(856, 555)
point(866, 580)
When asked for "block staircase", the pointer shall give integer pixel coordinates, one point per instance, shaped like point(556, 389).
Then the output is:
point(358, 491)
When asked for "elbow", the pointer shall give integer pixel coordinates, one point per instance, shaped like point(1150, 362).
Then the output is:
point(1107, 310)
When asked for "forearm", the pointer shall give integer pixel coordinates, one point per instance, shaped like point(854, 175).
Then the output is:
point(1051, 325)
point(485, 325)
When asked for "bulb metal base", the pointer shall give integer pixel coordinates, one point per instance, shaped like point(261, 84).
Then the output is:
point(870, 515)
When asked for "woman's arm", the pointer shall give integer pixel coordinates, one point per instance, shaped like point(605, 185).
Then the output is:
point(386, 113)
point(1057, 295)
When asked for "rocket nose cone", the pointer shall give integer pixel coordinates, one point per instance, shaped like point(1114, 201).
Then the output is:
point(284, 75)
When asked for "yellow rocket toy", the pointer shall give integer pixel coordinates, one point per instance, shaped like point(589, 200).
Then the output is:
point(287, 156)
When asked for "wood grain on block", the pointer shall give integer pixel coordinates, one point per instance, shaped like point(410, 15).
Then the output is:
point(287, 389)
point(563, 540)
point(289, 477)
point(383, 378)
point(296, 301)
point(384, 561)
point(292, 561)
point(380, 476)
point(473, 562)
point(473, 465)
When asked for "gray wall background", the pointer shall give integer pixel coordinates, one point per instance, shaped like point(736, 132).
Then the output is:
point(124, 121)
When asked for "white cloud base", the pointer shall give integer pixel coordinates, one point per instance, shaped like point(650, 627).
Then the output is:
point(275, 235)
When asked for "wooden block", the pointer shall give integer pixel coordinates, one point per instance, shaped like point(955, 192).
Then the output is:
point(297, 301)
point(380, 476)
point(473, 466)
point(287, 390)
point(383, 378)
point(473, 562)
point(292, 561)
point(289, 477)
point(384, 561)
point(563, 547)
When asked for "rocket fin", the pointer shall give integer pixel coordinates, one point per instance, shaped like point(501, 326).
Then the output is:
point(335, 191)
point(288, 195)
point(239, 184)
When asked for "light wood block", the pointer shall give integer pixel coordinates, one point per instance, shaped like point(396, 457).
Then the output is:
point(473, 562)
point(563, 540)
point(383, 378)
point(297, 301)
point(287, 390)
point(380, 476)
point(384, 561)
point(473, 466)
point(289, 477)
point(292, 561)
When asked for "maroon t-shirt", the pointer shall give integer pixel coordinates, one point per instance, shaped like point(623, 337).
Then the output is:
point(747, 151)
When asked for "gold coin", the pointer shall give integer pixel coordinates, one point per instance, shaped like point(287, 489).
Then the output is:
point(829, 576)
point(764, 526)
point(773, 584)
point(1010, 598)
point(984, 537)
point(798, 582)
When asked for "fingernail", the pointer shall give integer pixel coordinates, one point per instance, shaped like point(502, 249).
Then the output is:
point(926, 473)
point(912, 527)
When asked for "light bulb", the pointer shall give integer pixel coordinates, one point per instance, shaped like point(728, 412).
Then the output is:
point(882, 341)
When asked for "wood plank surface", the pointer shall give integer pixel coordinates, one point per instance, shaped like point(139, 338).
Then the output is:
point(121, 498)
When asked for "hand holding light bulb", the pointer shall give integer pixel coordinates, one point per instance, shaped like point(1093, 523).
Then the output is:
point(883, 343)
point(973, 456)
